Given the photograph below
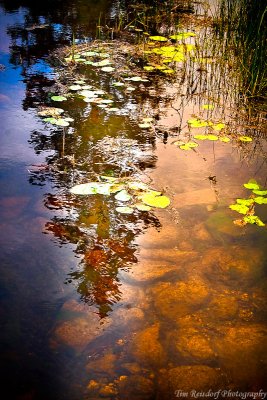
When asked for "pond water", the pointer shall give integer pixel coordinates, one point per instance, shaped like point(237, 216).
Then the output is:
point(96, 303)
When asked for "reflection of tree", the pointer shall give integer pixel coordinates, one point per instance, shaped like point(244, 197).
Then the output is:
point(104, 240)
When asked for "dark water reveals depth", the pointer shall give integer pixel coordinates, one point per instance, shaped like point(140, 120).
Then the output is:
point(98, 304)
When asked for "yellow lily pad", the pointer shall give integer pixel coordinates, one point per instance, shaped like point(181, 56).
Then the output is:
point(155, 201)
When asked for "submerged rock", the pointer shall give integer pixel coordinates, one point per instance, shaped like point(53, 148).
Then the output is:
point(191, 343)
point(242, 352)
point(146, 347)
point(79, 332)
point(222, 307)
point(136, 387)
point(190, 379)
point(179, 299)
point(234, 263)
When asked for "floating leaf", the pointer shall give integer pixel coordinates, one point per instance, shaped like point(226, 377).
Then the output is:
point(242, 209)
point(158, 38)
point(218, 127)
point(107, 69)
point(130, 89)
point(61, 122)
point(260, 200)
point(116, 187)
point(102, 63)
point(58, 98)
point(245, 202)
point(198, 123)
point(75, 87)
point(178, 143)
point(208, 107)
point(147, 119)
point(69, 119)
point(144, 126)
point(136, 185)
point(212, 137)
point(118, 84)
point(123, 195)
point(113, 109)
point(149, 68)
point(50, 111)
point(156, 201)
point(260, 192)
point(252, 184)
point(91, 188)
point(88, 93)
point(225, 139)
point(200, 137)
point(52, 120)
point(188, 146)
point(89, 53)
point(253, 219)
point(245, 139)
point(125, 210)
point(107, 101)
point(168, 71)
point(142, 207)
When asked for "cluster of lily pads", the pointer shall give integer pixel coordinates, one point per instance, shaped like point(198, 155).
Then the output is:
point(129, 193)
point(168, 54)
point(202, 123)
point(54, 116)
point(247, 206)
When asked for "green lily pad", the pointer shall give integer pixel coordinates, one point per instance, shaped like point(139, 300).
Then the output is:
point(61, 122)
point(149, 68)
point(252, 184)
point(212, 137)
point(155, 201)
point(224, 139)
point(142, 207)
point(116, 187)
point(118, 84)
point(58, 98)
point(200, 137)
point(240, 208)
point(260, 192)
point(50, 111)
point(158, 38)
point(188, 146)
point(125, 210)
point(52, 120)
point(208, 106)
point(253, 219)
point(260, 200)
point(245, 139)
point(245, 202)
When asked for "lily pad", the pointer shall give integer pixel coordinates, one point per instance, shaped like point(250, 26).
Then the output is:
point(260, 200)
point(58, 98)
point(123, 195)
point(245, 139)
point(118, 84)
point(75, 87)
point(245, 202)
point(102, 63)
point(260, 192)
point(253, 219)
point(156, 201)
point(61, 122)
point(212, 137)
point(142, 207)
point(198, 123)
point(149, 68)
point(252, 184)
point(218, 127)
point(107, 69)
point(125, 210)
point(188, 146)
point(136, 185)
point(240, 208)
point(158, 38)
point(91, 188)
point(145, 125)
point(201, 137)
point(224, 139)
point(208, 107)
point(50, 111)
